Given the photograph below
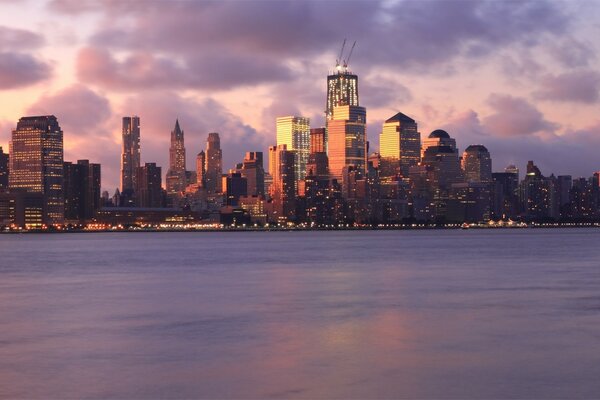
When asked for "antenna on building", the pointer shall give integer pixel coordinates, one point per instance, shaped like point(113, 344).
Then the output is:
point(347, 61)
point(339, 60)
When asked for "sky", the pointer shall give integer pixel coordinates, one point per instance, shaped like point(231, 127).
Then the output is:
point(521, 78)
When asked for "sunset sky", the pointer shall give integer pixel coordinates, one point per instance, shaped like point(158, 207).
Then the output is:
point(522, 78)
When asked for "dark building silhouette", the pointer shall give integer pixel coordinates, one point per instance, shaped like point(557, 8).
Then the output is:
point(235, 186)
point(81, 190)
point(3, 170)
point(149, 186)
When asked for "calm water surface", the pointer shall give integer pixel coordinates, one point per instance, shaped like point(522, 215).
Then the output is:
point(374, 314)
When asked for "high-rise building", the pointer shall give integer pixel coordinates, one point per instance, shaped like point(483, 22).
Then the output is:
point(347, 140)
point(36, 163)
point(342, 90)
point(149, 186)
point(176, 176)
point(283, 192)
point(438, 137)
point(214, 164)
point(201, 169)
point(130, 157)
point(317, 140)
point(3, 169)
point(294, 132)
point(81, 190)
point(235, 186)
point(399, 145)
point(477, 164)
point(252, 169)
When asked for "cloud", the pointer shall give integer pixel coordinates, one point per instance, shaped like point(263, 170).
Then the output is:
point(80, 111)
point(220, 45)
point(514, 116)
point(552, 153)
point(17, 39)
point(142, 70)
point(577, 86)
point(17, 67)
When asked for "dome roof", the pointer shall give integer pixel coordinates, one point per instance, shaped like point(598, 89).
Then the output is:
point(440, 134)
point(477, 148)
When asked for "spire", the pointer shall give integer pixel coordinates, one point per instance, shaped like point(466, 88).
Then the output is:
point(177, 128)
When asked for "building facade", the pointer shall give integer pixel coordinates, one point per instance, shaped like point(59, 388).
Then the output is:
point(347, 140)
point(130, 155)
point(399, 145)
point(36, 163)
point(176, 175)
point(294, 132)
point(214, 164)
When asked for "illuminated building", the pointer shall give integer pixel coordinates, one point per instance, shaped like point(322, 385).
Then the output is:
point(347, 140)
point(255, 206)
point(318, 162)
point(399, 145)
point(294, 132)
point(283, 189)
point(149, 186)
point(22, 208)
point(317, 140)
point(3, 170)
point(36, 163)
point(214, 164)
point(438, 137)
point(130, 157)
point(477, 164)
point(469, 202)
point(201, 169)
point(342, 90)
point(81, 190)
point(176, 176)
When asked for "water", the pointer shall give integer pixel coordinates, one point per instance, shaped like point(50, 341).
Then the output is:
point(371, 314)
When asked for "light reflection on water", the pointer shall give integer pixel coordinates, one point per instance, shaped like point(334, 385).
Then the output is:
point(373, 314)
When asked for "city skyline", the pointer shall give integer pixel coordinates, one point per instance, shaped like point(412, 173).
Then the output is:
point(525, 91)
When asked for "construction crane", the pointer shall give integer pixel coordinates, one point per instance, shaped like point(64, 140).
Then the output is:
point(339, 60)
point(347, 61)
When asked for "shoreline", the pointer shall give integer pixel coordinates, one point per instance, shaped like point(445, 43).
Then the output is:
point(398, 227)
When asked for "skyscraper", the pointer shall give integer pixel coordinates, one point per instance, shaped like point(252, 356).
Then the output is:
point(81, 190)
point(176, 179)
point(130, 157)
point(36, 162)
point(254, 172)
point(318, 163)
point(477, 164)
point(342, 90)
point(400, 145)
point(201, 169)
point(347, 140)
point(214, 164)
point(3, 170)
point(149, 186)
point(438, 137)
point(283, 192)
point(294, 132)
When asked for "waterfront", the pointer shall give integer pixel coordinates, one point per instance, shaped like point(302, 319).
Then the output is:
point(322, 314)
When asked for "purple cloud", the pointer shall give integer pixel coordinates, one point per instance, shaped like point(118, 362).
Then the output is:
point(18, 68)
point(80, 111)
point(577, 86)
point(514, 116)
point(142, 70)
